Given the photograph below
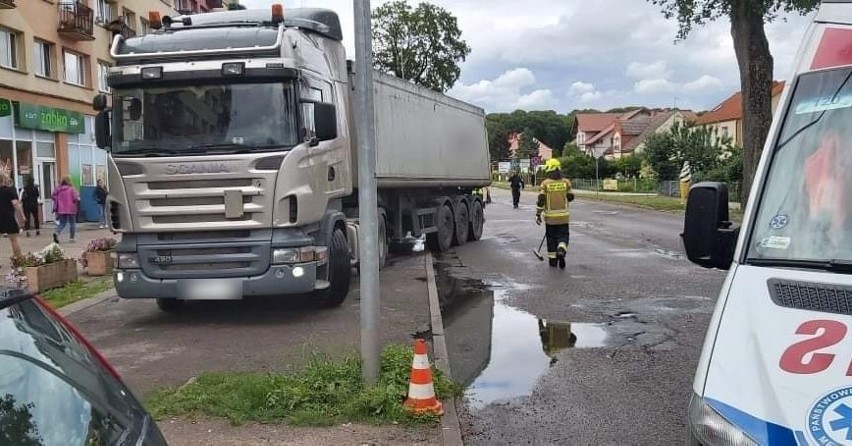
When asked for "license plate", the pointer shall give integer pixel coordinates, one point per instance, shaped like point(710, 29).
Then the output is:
point(211, 289)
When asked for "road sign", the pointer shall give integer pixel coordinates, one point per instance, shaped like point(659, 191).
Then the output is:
point(504, 167)
point(535, 161)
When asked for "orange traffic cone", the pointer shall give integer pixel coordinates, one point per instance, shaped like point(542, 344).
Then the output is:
point(421, 392)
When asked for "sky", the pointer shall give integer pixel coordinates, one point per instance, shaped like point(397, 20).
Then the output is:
point(575, 54)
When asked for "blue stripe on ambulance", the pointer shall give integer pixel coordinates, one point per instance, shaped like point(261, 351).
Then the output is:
point(764, 432)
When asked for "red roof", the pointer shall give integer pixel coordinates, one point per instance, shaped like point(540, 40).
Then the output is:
point(595, 122)
point(731, 109)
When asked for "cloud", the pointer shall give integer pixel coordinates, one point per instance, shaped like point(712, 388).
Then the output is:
point(507, 92)
point(582, 87)
point(631, 55)
point(652, 86)
point(639, 70)
point(703, 83)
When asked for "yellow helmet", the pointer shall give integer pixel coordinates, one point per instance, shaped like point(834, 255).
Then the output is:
point(552, 165)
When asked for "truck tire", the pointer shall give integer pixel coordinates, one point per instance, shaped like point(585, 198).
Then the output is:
point(169, 305)
point(477, 222)
point(338, 272)
point(442, 240)
point(462, 225)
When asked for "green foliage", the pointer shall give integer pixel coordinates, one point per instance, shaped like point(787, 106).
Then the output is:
point(235, 5)
point(325, 392)
point(576, 164)
point(693, 13)
point(527, 145)
point(422, 44)
point(629, 166)
point(16, 422)
point(549, 127)
point(76, 291)
point(701, 146)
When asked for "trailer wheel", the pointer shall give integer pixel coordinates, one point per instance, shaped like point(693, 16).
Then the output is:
point(442, 240)
point(462, 226)
point(170, 305)
point(338, 272)
point(477, 222)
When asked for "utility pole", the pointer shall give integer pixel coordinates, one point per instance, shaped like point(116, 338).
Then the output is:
point(367, 196)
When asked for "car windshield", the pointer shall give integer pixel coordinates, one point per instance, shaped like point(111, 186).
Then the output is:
point(51, 393)
point(806, 209)
point(193, 119)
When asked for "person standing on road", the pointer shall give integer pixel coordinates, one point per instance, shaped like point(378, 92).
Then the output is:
point(101, 197)
point(553, 198)
point(65, 200)
point(11, 212)
point(517, 183)
point(30, 199)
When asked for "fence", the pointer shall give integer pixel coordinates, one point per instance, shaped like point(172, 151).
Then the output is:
point(666, 188)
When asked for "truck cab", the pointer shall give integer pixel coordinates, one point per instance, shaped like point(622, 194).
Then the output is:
point(777, 359)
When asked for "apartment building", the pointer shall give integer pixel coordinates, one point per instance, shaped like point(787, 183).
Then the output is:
point(54, 56)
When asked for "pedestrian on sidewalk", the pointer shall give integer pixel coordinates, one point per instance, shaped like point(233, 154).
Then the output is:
point(101, 197)
point(553, 198)
point(11, 212)
point(30, 198)
point(65, 201)
point(517, 183)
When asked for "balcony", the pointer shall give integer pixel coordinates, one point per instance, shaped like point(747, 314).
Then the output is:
point(76, 21)
point(7, 4)
point(119, 26)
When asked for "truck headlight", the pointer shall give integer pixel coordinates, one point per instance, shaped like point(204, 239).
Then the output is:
point(126, 261)
point(711, 428)
point(286, 256)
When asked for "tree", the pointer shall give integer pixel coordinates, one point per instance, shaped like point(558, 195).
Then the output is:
point(235, 5)
point(753, 57)
point(16, 422)
point(701, 146)
point(498, 137)
point(422, 44)
point(527, 145)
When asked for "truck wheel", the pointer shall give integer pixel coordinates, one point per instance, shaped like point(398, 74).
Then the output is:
point(462, 226)
point(170, 305)
point(338, 272)
point(442, 240)
point(477, 222)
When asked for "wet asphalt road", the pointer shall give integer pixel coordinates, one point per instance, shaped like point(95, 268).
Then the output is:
point(601, 353)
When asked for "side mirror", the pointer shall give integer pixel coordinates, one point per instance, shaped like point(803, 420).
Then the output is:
point(102, 129)
point(708, 237)
point(100, 102)
point(325, 120)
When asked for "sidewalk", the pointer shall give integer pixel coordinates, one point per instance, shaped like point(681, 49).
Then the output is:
point(86, 232)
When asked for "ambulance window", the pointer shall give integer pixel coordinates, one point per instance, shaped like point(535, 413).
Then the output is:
point(805, 212)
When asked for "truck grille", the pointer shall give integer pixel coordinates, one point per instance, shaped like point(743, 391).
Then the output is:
point(184, 205)
point(205, 254)
point(811, 296)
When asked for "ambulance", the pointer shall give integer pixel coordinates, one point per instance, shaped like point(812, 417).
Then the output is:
point(776, 368)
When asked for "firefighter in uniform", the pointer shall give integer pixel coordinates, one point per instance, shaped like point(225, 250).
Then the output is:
point(553, 198)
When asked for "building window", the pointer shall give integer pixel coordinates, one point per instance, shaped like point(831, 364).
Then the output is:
point(143, 26)
point(129, 18)
point(103, 70)
point(75, 69)
point(9, 48)
point(104, 12)
point(44, 59)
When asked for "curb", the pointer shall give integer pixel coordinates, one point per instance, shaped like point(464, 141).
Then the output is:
point(87, 303)
point(450, 424)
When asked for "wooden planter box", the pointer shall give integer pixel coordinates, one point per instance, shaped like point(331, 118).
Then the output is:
point(100, 263)
point(54, 275)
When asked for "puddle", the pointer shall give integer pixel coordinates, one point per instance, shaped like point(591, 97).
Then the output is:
point(498, 351)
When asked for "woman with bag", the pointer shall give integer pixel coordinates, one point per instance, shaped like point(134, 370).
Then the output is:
point(65, 201)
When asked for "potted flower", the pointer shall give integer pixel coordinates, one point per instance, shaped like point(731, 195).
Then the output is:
point(43, 270)
point(97, 257)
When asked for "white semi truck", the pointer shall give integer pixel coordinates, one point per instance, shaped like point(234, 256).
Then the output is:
point(232, 168)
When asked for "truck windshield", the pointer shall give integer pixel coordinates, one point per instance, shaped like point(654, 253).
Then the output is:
point(805, 214)
point(195, 120)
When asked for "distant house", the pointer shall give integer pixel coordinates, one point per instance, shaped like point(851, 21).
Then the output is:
point(727, 117)
point(625, 134)
point(544, 152)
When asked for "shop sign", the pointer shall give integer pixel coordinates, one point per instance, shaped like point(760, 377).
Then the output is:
point(5, 108)
point(49, 119)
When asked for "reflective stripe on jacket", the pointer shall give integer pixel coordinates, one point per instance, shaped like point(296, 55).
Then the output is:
point(554, 205)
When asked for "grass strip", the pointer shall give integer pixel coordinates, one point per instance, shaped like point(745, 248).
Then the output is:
point(325, 392)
